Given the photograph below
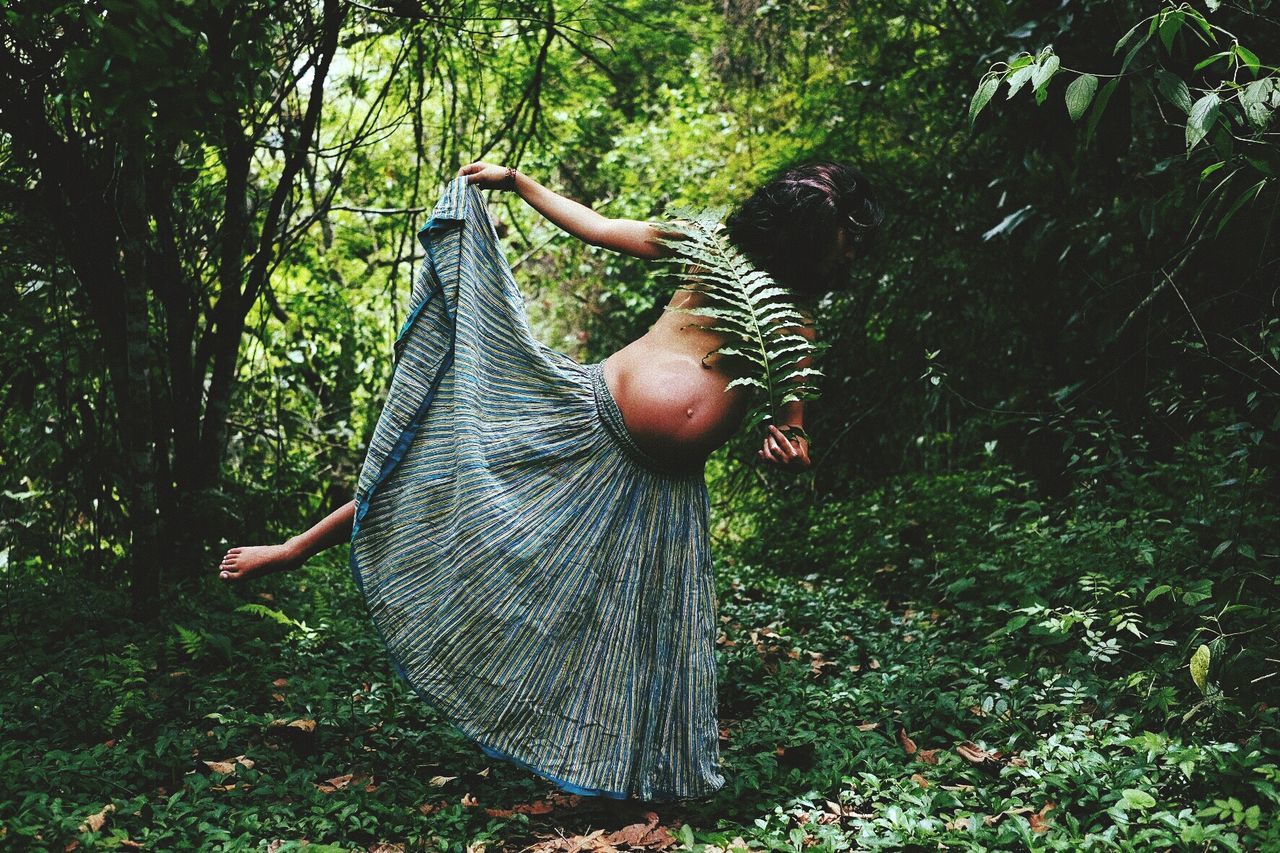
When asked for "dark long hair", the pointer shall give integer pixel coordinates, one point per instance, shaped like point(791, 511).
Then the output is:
point(788, 226)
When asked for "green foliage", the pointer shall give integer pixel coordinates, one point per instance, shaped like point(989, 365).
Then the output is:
point(747, 306)
point(964, 611)
point(294, 626)
point(1223, 105)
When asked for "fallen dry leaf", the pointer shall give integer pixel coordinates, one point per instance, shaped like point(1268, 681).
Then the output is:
point(992, 820)
point(280, 682)
point(919, 780)
point(592, 842)
point(631, 835)
point(388, 847)
point(971, 752)
point(228, 765)
point(654, 837)
point(336, 783)
point(867, 727)
point(1038, 821)
point(431, 808)
point(300, 734)
point(820, 667)
point(928, 756)
point(908, 745)
point(440, 781)
point(293, 726)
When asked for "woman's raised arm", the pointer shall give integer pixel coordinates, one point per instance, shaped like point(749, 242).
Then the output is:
point(628, 236)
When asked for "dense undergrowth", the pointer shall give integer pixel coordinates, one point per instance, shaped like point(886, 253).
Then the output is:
point(946, 661)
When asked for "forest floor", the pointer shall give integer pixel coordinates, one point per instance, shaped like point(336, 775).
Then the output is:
point(856, 712)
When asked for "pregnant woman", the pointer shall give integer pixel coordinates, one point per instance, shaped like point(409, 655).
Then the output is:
point(530, 533)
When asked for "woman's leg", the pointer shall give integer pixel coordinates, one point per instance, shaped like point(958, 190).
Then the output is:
point(254, 560)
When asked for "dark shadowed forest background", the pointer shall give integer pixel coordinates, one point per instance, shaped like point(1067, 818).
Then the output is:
point(1026, 597)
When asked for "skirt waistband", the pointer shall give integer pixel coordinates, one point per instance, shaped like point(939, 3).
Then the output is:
point(617, 428)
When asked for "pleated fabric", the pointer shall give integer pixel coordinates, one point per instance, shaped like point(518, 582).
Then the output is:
point(536, 577)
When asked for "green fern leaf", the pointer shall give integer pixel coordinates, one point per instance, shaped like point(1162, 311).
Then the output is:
point(192, 642)
point(751, 309)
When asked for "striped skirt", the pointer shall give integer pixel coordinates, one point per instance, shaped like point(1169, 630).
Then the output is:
point(536, 577)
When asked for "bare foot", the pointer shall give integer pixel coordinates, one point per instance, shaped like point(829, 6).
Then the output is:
point(253, 561)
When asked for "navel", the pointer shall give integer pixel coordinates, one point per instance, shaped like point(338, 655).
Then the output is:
point(688, 412)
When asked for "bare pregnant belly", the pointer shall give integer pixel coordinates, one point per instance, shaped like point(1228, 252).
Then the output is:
point(674, 408)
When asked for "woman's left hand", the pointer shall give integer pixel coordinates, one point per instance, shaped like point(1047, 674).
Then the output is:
point(788, 452)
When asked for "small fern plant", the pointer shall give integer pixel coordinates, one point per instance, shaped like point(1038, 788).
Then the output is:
point(746, 305)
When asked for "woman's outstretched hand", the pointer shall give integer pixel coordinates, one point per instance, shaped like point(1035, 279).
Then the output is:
point(788, 452)
point(487, 176)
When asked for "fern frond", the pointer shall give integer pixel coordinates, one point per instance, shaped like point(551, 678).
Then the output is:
point(192, 642)
point(294, 626)
point(747, 306)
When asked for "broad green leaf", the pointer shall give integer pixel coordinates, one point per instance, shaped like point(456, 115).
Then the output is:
point(1175, 90)
point(1200, 667)
point(1124, 39)
point(986, 89)
point(1100, 106)
point(1247, 57)
point(1045, 71)
point(1019, 78)
point(1199, 21)
point(1204, 113)
point(1080, 94)
point(1157, 592)
point(1136, 799)
point(1169, 28)
point(1211, 59)
point(1210, 169)
point(1256, 100)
